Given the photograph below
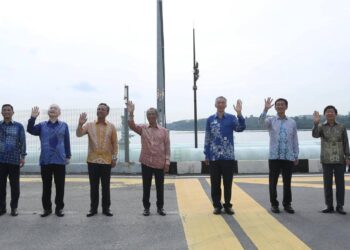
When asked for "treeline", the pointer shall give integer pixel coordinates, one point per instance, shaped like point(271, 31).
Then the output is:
point(303, 122)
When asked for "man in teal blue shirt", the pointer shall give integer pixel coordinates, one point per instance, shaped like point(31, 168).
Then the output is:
point(284, 151)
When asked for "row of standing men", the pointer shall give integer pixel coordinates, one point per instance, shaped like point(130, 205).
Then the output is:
point(102, 156)
point(155, 155)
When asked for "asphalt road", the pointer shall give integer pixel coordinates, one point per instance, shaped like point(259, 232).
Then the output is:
point(189, 222)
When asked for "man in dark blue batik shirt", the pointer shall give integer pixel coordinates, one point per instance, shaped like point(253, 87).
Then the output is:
point(219, 151)
point(12, 154)
point(55, 154)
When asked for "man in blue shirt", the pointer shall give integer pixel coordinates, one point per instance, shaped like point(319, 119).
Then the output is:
point(12, 154)
point(284, 151)
point(219, 151)
point(55, 154)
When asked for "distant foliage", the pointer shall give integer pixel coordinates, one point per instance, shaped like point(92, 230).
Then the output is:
point(303, 122)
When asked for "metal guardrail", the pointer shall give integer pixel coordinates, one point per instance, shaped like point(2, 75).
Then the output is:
point(71, 117)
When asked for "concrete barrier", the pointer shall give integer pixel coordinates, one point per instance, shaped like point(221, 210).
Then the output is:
point(191, 167)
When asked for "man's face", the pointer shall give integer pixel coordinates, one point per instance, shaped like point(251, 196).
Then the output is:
point(54, 111)
point(7, 112)
point(280, 107)
point(152, 116)
point(102, 111)
point(220, 105)
point(330, 115)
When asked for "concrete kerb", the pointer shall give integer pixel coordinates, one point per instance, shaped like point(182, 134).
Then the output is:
point(185, 167)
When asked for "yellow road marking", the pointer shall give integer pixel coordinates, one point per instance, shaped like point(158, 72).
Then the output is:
point(265, 181)
point(203, 230)
point(261, 227)
point(116, 182)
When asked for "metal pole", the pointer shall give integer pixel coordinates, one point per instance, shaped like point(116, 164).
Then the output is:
point(195, 77)
point(126, 127)
point(160, 66)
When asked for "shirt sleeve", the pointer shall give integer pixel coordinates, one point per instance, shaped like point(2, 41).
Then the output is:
point(167, 148)
point(136, 128)
point(67, 143)
point(207, 140)
point(263, 121)
point(240, 124)
point(317, 131)
point(22, 142)
point(114, 142)
point(33, 129)
point(346, 143)
point(295, 142)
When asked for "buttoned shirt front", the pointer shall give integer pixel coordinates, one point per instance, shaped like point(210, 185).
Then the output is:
point(155, 145)
point(334, 142)
point(284, 143)
point(219, 143)
point(54, 140)
point(103, 141)
point(12, 142)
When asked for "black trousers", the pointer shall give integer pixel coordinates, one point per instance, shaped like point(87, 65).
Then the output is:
point(99, 172)
point(12, 172)
point(59, 174)
point(147, 174)
point(338, 170)
point(220, 168)
point(276, 167)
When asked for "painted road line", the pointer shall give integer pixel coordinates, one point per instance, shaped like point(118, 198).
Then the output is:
point(203, 230)
point(265, 181)
point(261, 227)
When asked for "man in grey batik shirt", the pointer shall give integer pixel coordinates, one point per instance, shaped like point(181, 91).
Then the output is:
point(334, 155)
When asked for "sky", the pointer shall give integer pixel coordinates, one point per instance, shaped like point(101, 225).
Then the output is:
point(79, 53)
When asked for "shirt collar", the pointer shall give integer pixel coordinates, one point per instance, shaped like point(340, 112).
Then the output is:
point(97, 122)
point(3, 122)
point(149, 126)
point(279, 118)
point(217, 116)
point(326, 123)
point(49, 121)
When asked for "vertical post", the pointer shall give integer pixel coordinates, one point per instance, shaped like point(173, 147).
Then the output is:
point(160, 66)
point(195, 78)
point(126, 127)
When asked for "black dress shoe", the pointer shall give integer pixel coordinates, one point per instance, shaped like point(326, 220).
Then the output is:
point(340, 210)
point(59, 213)
point(46, 213)
point(161, 211)
point(229, 210)
point(14, 212)
point(107, 212)
point(275, 209)
point(2, 212)
point(328, 210)
point(217, 211)
point(91, 213)
point(289, 209)
point(146, 212)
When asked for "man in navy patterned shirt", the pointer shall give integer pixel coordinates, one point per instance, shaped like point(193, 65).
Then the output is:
point(284, 151)
point(12, 154)
point(219, 151)
point(54, 156)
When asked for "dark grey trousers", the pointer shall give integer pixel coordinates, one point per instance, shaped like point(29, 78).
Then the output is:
point(338, 170)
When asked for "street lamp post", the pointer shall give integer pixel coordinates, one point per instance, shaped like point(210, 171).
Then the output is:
point(126, 127)
point(195, 78)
